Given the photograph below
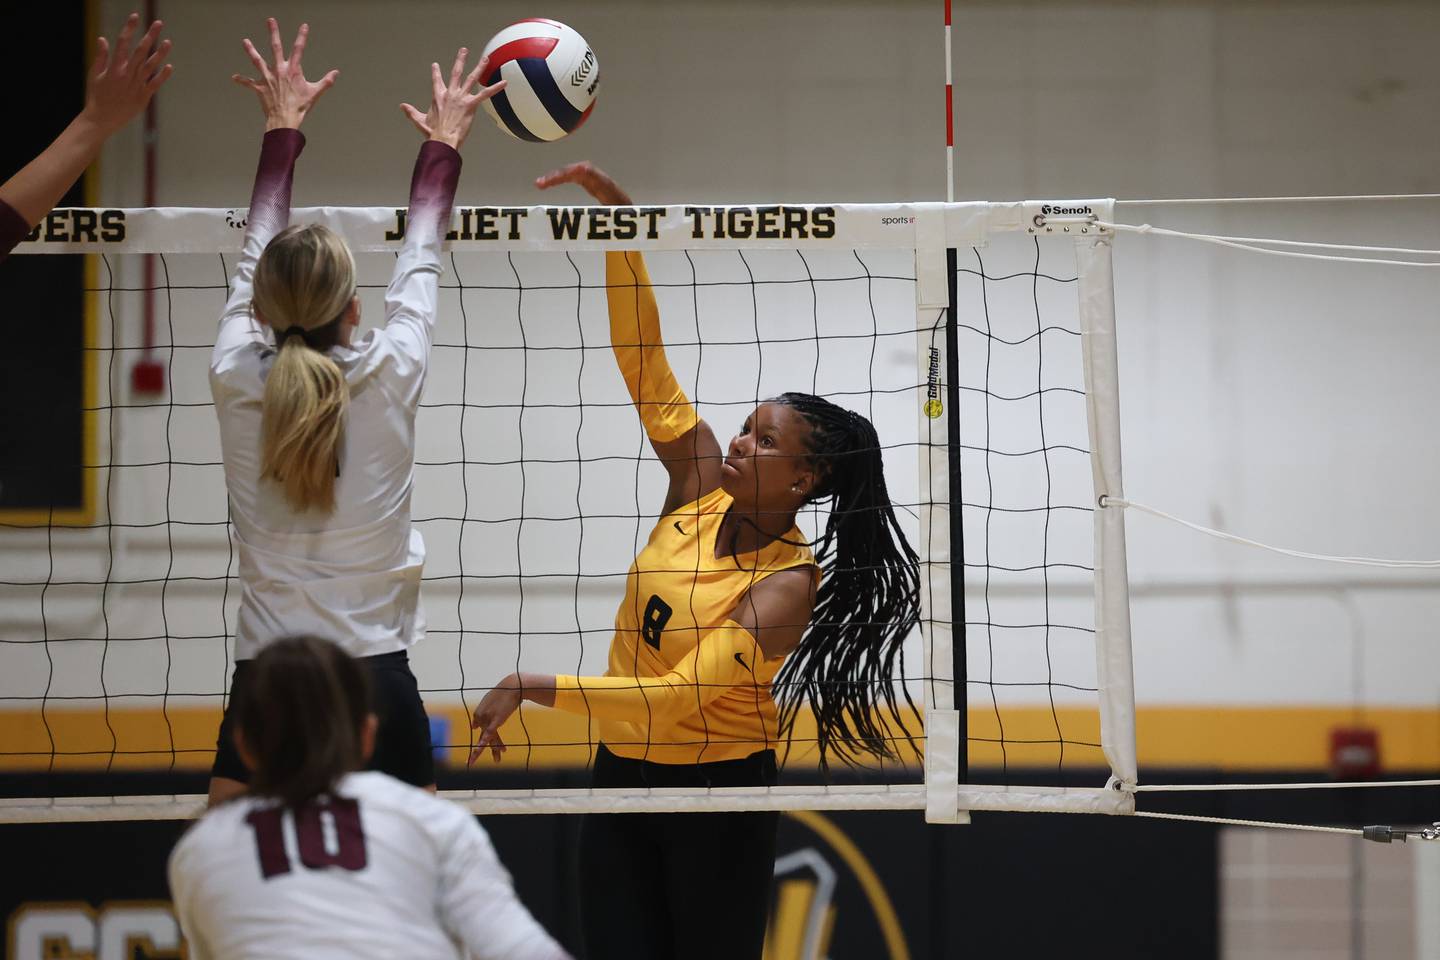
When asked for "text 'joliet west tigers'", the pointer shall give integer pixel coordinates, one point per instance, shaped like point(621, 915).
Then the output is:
point(631, 223)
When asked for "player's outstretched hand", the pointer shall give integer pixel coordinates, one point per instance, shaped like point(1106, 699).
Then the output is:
point(285, 95)
point(591, 178)
point(492, 713)
point(122, 81)
point(453, 106)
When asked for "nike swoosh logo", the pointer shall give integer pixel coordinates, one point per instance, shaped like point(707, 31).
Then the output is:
point(741, 660)
point(680, 528)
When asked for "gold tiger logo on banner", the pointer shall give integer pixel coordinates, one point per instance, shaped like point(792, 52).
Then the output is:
point(803, 915)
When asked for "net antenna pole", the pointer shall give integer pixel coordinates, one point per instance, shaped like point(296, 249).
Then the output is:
point(949, 118)
point(952, 399)
point(943, 579)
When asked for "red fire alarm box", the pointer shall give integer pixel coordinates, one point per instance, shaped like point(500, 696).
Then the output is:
point(1354, 753)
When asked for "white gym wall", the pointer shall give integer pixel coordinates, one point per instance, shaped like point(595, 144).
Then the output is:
point(1278, 399)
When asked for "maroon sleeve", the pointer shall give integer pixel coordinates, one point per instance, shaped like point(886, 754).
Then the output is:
point(274, 177)
point(269, 213)
point(13, 229)
point(432, 186)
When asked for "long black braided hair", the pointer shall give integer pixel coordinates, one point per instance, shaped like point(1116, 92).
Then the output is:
point(869, 598)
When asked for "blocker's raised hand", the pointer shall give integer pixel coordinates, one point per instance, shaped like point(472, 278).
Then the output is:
point(122, 81)
point(285, 95)
point(452, 105)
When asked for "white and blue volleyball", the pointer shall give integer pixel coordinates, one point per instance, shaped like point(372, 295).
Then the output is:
point(551, 77)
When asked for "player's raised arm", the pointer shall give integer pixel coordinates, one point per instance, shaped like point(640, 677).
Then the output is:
point(684, 443)
point(286, 98)
point(411, 299)
point(120, 83)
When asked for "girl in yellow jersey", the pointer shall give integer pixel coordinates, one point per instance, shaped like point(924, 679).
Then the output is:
point(726, 601)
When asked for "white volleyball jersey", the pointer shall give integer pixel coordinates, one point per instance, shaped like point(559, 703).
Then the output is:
point(380, 869)
point(351, 576)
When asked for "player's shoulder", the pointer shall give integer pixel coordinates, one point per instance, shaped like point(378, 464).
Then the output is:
point(229, 814)
point(382, 792)
point(712, 502)
point(242, 366)
point(380, 352)
point(410, 815)
point(216, 827)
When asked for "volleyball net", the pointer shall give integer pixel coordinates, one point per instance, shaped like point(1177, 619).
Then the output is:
point(977, 337)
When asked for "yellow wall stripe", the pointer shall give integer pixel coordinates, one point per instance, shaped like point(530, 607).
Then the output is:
point(1223, 738)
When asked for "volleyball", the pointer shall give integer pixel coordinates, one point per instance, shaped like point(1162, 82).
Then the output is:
point(551, 77)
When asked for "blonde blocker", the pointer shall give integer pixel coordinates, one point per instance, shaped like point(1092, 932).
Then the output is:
point(304, 281)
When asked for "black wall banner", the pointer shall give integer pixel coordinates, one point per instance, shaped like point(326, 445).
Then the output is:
point(849, 886)
point(43, 365)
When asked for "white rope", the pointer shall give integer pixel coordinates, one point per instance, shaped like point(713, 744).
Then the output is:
point(1253, 245)
point(1225, 201)
point(1327, 785)
point(1232, 538)
point(1264, 824)
point(1146, 228)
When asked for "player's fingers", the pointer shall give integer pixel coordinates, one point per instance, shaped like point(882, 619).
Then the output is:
point(122, 42)
point(152, 64)
point(570, 173)
point(418, 118)
point(474, 78)
point(102, 58)
point(458, 69)
point(276, 46)
point(487, 92)
point(482, 742)
point(158, 81)
point(256, 59)
point(297, 50)
point(326, 82)
point(147, 42)
point(247, 82)
point(437, 85)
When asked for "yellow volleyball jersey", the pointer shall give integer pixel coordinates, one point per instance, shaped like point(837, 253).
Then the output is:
point(677, 592)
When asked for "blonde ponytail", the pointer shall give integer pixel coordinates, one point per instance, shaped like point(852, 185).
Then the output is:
point(304, 282)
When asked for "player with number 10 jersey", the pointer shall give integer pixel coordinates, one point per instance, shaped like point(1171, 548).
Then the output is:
point(321, 860)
